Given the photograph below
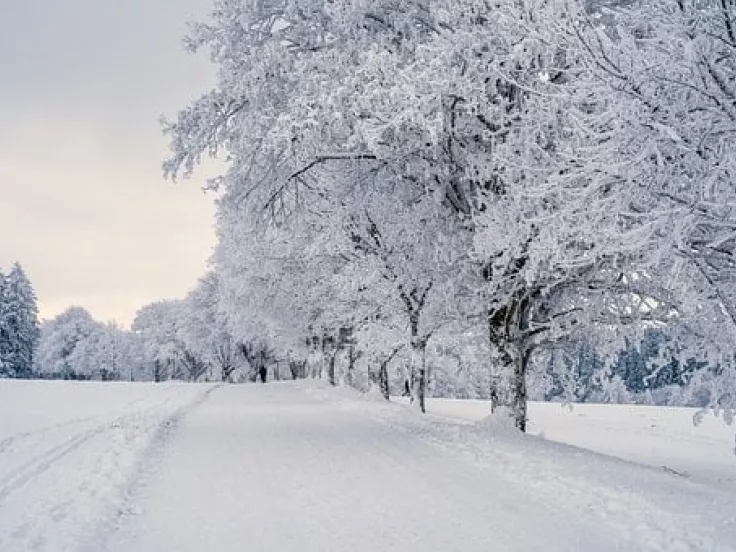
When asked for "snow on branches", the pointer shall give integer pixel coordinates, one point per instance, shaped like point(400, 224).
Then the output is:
point(547, 171)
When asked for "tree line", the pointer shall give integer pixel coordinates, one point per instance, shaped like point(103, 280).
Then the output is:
point(188, 340)
point(498, 199)
point(508, 182)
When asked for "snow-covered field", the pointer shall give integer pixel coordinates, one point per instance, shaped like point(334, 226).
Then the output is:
point(70, 452)
point(300, 466)
point(664, 438)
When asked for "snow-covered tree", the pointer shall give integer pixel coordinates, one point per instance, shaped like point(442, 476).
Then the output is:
point(674, 60)
point(156, 326)
point(3, 339)
point(19, 326)
point(203, 328)
point(516, 165)
point(75, 346)
point(109, 353)
point(60, 337)
point(159, 328)
point(282, 36)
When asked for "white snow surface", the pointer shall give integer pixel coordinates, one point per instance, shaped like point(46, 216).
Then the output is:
point(300, 466)
point(70, 451)
point(661, 437)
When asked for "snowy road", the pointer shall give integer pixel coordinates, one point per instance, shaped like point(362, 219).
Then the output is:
point(286, 467)
point(300, 467)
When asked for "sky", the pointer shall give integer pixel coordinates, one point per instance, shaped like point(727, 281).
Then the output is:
point(83, 203)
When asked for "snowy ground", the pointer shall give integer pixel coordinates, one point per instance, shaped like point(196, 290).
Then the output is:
point(69, 453)
point(664, 438)
point(299, 467)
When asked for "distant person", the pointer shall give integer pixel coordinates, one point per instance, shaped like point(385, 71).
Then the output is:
point(262, 372)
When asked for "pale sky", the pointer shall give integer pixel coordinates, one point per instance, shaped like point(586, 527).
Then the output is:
point(83, 204)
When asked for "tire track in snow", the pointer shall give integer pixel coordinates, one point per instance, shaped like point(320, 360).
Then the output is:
point(50, 502)
point(22, 476)
point(145, 469)
point(9, 442)
point(39, 464)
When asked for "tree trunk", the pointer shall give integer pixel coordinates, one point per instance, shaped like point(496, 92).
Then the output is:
point(416, 384)
point(331, 371)
point(312, 363)
point(227, 372)
point(422, 389)
point(495, 399)
point(353, 357)
point(505, 326)
point(294, 368)
point(383, 373)
point(419, 371)
point(519, 391)
point(383, 380)
point(325, 361)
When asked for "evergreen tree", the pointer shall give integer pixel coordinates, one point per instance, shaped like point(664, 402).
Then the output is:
point(4, 369)
point(18, 325)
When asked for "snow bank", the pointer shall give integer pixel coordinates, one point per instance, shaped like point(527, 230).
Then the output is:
point(661, 437)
